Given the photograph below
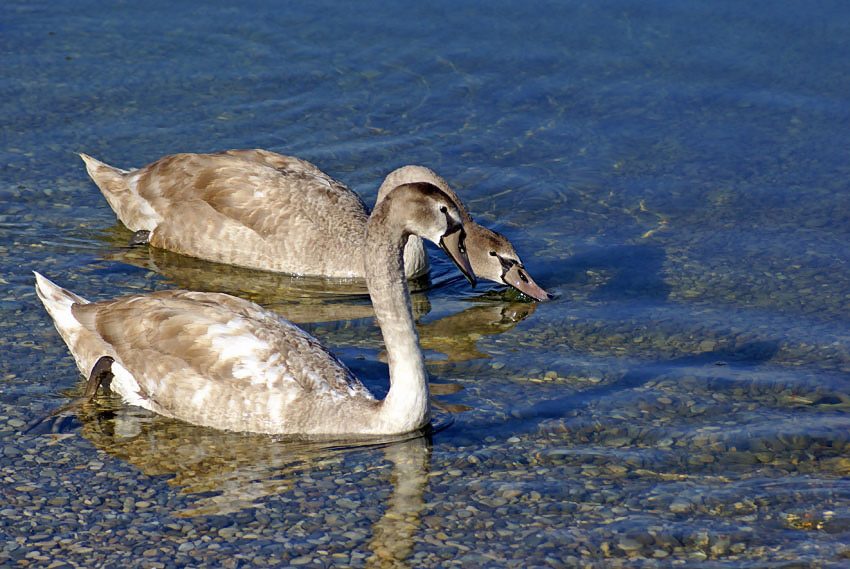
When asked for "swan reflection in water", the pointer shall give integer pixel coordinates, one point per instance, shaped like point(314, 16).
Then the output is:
point(223, 472)
point(306, 300)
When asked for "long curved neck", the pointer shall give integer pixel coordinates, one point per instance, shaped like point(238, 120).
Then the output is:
point(406, 406)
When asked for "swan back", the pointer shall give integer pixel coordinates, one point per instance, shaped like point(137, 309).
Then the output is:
point(209, 359)
point(251, 208)
point(276, 161)
point(248, 208)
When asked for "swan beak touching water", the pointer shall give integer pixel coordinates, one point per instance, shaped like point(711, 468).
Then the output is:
point(515, 275)
point(453, 245)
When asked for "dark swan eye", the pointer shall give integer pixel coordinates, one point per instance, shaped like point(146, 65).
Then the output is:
point(444, 209)
point(493, 254)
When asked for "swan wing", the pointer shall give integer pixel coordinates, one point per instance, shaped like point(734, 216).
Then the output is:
point(276, 161)
point(214, 359)
point(245, 212)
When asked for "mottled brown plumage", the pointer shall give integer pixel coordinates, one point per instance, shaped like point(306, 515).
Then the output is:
point(224, 362)
point(263, 210)
point(228, 209)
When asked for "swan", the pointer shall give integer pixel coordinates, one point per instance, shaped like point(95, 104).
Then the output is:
point(263, 210)
point(216, 360)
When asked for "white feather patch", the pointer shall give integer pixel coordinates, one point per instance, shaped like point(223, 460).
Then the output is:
point(200, 396)
point(252, 357)
point(152, 218)
point(127, 387)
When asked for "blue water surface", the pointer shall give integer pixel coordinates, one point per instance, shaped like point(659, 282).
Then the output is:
point(675, 173)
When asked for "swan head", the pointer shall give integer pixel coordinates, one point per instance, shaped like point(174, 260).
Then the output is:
point(491, 254)
point(493, 257)
point(434, 216)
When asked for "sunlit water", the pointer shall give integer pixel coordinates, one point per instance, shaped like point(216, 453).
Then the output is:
point(676, 173)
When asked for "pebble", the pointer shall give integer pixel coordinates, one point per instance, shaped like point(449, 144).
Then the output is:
point(680, 506)
point(10, 451)
point(629, 545)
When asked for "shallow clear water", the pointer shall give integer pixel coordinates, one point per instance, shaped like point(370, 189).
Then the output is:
point(676, 173)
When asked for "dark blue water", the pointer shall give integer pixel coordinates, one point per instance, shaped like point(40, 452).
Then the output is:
point(676, 173)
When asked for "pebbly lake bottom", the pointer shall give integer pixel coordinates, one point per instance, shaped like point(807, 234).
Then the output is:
point(600, 487)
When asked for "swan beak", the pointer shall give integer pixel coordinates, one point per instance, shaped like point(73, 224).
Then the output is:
point(452, 244)
point(516, 277)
